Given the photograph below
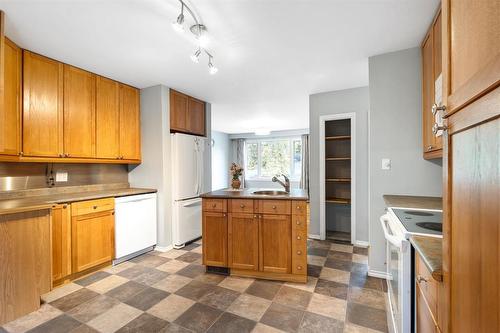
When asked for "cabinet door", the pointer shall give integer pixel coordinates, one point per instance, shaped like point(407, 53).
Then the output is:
point(437, 56)
point(79, 112)
point(275, 243)
point(43, 106)
point(425, 322)
point(215, 239)
point(427, 94)
point(130, 125)
point(196, 116)
point(243, 241)
point(92, 240)
point(107, 118)
point(178, 111)
point(61, 242)
point(10, 114)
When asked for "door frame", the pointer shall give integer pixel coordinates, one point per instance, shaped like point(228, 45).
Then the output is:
point(322, 203)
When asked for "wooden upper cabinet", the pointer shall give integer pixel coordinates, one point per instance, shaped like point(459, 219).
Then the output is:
point(471, 56)
point(130, 123)
point(79, 112)
point(275, 243)
point(196, 116)
point(2, 58)
point(43, 106)
point(187, 114)
point(107, 118)
point(243, 241)
point(178, 111)
point(10, 113)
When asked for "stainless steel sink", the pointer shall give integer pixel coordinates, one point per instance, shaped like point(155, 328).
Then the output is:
point(271, 192)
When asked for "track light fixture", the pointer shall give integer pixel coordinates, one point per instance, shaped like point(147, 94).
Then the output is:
point(199, 31)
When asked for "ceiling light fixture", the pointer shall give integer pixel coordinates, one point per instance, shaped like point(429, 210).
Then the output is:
point(199, 31)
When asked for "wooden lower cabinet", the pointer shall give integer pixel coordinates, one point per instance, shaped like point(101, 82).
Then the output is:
point(243, 241)
point(61, 242)
point(425, 321)
point(275, 243)
point(215, 239)
point(256, 238)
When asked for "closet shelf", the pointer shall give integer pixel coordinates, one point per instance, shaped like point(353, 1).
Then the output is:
point(338, 137)
point(338, 158)
point(339, 200)
point(339, 180)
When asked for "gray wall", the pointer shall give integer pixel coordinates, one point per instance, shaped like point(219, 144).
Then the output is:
point(396, 133)
point(343, 101)
point(155, 169)
point(221, 159)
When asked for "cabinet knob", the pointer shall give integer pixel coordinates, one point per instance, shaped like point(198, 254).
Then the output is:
point(436, 108)
point(299, 268)
point(21, 153)
point(255, 216)
point(298, 207)
point(242, 206)
point(214, 205)
point(421, 279)
point(430, 147)
point(65, 206)
point(95, 207)
point(113, 213)
point(297, 223)
point(299, 252)
point(224, 214)
point(437, 128)
point(274, 207)
point(61, 155)
point(299, 238)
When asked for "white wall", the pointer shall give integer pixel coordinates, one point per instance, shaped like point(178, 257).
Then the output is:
point(221, 160)
point(155, 171)
point(343, 101)
point(396, 133)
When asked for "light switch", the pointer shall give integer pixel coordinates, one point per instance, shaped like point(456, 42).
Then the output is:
point(386, 164)
point(61, 176)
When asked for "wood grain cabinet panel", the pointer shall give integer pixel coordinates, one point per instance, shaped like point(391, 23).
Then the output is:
point(61, 242)
point(130, 124)
point(42, 106)
point(215, 239)
point(107, 118)
point(92, 240)
point(10, 113)
point(275, 243)
point(243, 241)
point(79, 112)
point(424, 320)
point(196, 116)
point(178, 111)
point(2, 57)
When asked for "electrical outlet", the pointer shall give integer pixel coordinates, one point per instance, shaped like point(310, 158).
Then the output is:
point(61, 176)
point(386, 164)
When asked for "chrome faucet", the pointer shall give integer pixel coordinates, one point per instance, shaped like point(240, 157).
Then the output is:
point(286, 184)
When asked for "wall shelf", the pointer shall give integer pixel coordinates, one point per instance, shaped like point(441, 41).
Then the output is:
point(338, 180)
point(339, 200)
point(338, 158)
point(338, 137)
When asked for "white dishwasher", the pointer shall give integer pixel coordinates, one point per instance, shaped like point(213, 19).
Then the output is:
point(135, 226)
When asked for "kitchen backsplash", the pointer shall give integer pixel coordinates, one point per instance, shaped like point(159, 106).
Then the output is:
point(23, 176)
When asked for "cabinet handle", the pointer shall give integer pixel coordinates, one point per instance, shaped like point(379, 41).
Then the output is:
point(214, 205)
point(437, 128)
point(65, 206)
point(67, 155)
point(297, 223)
point(421, 279)
point(299, 268)
point(242, 206)
point(298, 207)
point(95, 207)
point(255, 216)
point(21, 153)
point(224, 214)
point(299, 238)
point(430, 147)
point(274, 207)
point(299, 252)
point(436, 108)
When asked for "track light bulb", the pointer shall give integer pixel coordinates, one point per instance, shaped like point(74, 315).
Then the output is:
point(203, 40)
point(177, 25)
point(211, 68)
point(196, 56)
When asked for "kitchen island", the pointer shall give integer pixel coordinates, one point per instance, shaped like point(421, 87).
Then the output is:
point(256, 233)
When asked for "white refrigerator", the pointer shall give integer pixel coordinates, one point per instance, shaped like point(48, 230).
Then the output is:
point(187, 185)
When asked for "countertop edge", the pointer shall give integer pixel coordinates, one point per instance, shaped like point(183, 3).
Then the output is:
point(436, 272)
point(413, 201)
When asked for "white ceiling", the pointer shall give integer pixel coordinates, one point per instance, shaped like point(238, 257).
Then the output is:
point(271, 54)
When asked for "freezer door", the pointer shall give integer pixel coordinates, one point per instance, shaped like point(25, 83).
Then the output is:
point(187, 166)
point(186, 221)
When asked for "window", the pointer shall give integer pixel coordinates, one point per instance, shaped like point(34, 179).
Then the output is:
point(265, 158)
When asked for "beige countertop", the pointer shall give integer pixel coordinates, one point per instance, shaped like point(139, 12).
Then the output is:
point(430, 250)
point(247, 193)
point(31, 203)
point(407, 201)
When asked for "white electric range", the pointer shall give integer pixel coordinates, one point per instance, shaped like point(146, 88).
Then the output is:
point(398, 225)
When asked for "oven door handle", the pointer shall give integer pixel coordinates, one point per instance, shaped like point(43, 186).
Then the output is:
point(384, 219)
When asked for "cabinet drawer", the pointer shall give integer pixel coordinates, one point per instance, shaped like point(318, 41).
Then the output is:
point(275, 206)
point(299, 207)
point(299, 251)
point(242, 206)
point(427, 284)
point(215, 205)
point(92, 206)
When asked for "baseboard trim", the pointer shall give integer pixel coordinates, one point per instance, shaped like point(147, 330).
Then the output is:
point(362, 244)
point(314, 236)
point(163, 248)
point(378, 274)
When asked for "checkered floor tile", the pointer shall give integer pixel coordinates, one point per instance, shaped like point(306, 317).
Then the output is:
point(170, 292)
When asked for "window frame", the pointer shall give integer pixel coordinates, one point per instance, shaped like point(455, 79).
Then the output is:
point(291, 140)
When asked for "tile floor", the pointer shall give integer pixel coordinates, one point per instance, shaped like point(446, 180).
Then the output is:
point(170, 292)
